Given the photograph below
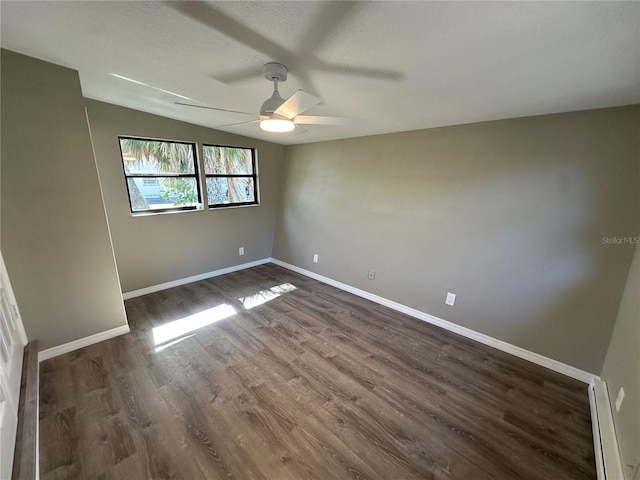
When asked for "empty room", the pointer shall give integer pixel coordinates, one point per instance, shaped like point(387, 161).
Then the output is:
point(294, 240)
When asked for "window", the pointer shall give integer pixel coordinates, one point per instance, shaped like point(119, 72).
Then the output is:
point(161, 175)
point(230, 176)
point(150, 182)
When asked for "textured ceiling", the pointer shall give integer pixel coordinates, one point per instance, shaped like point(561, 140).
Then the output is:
point(395, 65)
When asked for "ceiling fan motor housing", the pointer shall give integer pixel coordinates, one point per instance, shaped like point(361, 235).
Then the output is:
point(274, 72)
point(271, 104)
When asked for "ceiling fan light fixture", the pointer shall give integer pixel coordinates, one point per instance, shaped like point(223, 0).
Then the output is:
point(277, 125)
point(272, 103)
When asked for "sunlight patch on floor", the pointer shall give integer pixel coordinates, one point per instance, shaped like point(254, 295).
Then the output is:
point(178, 330)
point(162, 347)
point(182, 326)
point(265, 295)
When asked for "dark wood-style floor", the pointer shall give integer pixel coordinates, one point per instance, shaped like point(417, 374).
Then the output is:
point(312, 384)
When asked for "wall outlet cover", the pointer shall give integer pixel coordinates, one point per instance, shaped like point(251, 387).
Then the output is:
point(315, 258)
point(241, 251)
point(451, 299)
point(371, 275)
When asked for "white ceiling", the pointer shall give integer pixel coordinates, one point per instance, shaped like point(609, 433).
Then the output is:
point(396, 65)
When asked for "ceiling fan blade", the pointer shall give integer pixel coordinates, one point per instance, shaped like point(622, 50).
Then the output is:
point(216, 19)
point(299, 130)
point(318, 120)
point(215, 108)
point(237, 123)
point(297, 103)
point(331, 18)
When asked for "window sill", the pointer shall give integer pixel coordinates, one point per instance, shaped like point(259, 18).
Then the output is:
point(164, 212)
point(222, 207)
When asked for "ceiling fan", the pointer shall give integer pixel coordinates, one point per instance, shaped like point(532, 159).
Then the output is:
point(278, 114)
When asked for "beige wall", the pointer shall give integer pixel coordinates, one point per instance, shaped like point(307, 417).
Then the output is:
point(155, 249)
point(509, 215)
point(622, 369)
point(54, 231)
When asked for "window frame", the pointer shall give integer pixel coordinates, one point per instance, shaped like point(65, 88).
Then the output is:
point(195, 175)
point(254, 176)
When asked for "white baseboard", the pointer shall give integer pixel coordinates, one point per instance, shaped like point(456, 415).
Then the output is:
point(608, 463)
point(194, 278)
point(533, 357)
point(37, 470)
point(81, 342)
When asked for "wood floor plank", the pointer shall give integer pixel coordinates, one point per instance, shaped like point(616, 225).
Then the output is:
point(312, 383)
point(61, 459)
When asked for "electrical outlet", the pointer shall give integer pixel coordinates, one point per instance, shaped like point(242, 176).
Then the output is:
point(315, 258)
point(241, 251)
point(451, 299)
point(371, 275)
point(619, 399)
